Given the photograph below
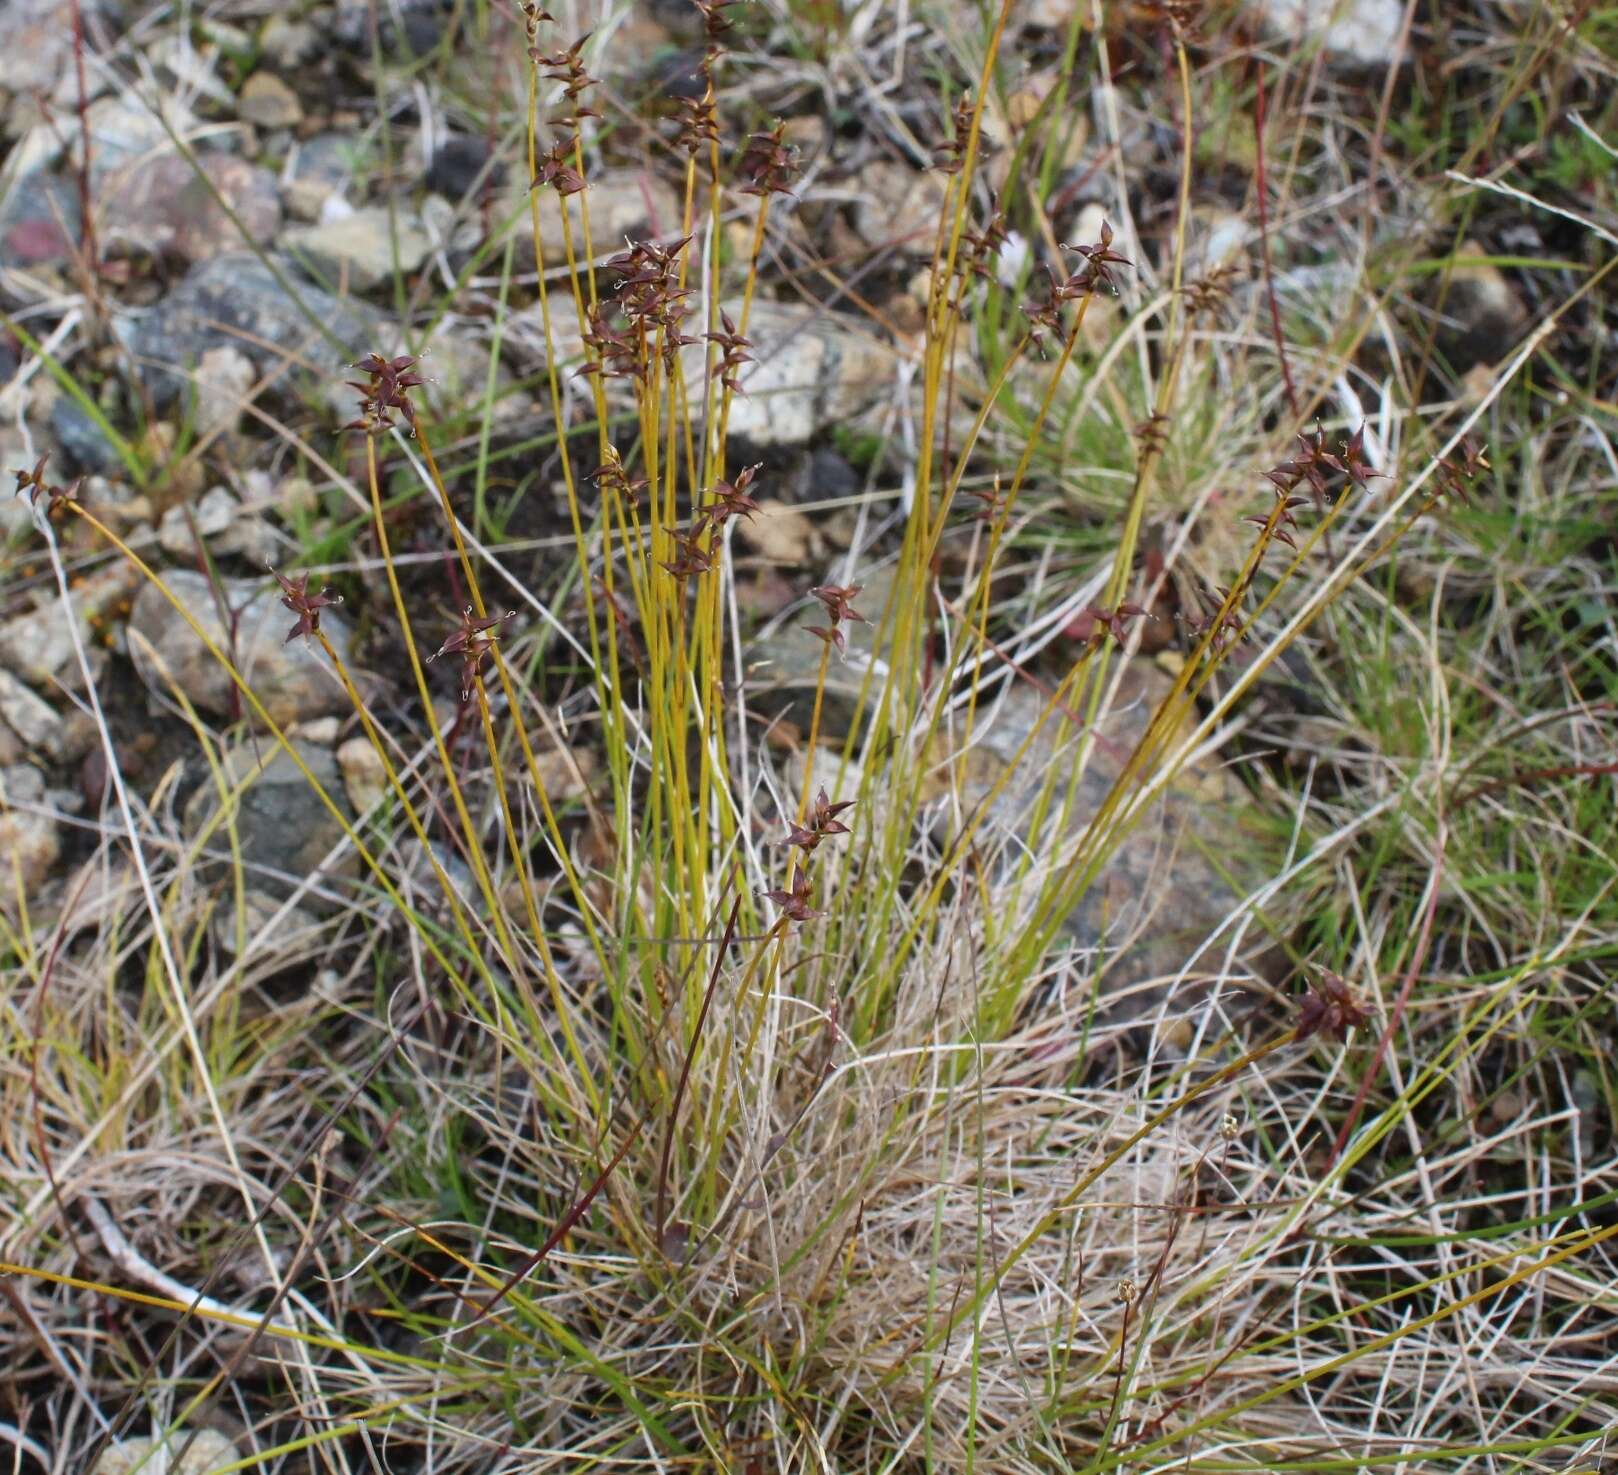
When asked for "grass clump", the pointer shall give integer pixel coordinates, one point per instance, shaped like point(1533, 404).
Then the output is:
point(687, 1084)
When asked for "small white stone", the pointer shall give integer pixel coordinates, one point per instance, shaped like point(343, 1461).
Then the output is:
point(28, 715)
point(208, 1450)
point(364, 776)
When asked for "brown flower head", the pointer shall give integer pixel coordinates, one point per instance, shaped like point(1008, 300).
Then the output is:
point(34, 485)
point(822, 822)
point(384, 392)
point(691, 557)
point(729, 499)
point(474, 642)
point(767, 164)
point(1329, 1008)
point(1095, 624)
point(1100, 259)
point(296, 597)
point(556, 168)
point(795, 903)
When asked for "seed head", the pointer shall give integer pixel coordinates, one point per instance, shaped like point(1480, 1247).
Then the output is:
point(1329, 1008)
point(296, 597)
point(794, 904)
point(474, 642)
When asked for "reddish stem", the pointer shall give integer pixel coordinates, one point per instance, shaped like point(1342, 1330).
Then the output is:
point(1262, 184)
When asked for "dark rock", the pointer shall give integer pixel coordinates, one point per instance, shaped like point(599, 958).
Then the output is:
point(86, 451)
point(1482, 317)
point(457, 164)
point(830, 475)
point(235, 301)
point(415, 26)
point(284, 829)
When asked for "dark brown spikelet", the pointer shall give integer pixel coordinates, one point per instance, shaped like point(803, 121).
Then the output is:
point(473, 642)
point(795, 903)
point(1329, 1008)
point(384, 393)
point(766, 165)
point(951, 154)
point(34, 485)
point(296, 597)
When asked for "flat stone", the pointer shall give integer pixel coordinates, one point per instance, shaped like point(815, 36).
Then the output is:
point(1356, 34)
point(166, 203)
point(284, 829)
point(208, 1450)
point(361, 250)
point(286, 678)
point(233, 300)
point(268, 102)
point(812, 368)
point(38, 645)
point(32, 718)
point(30, 845)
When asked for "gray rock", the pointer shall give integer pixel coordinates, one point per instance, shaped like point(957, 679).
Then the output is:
point(288, 43)
point(899, 206)
point(1157, 897)
point(458, 165)
point(287, 679)
point(29, 846)
point(414, 26)
point(268, 102)
point(231, 530)
point(85, 447)
point(208, 1450)
point(40, 220)
point(213, 514)
point(317, 170)
point(161, 203)
point(812, 369)
point(22, 783)
point(1353, 34)
point(623, 202)
point(362, 249)
point(38, 645)
point(284, 829)
point(32, 718)
point(36, 43)
point(224, 387)
point(235, 301)
point(124, 131)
